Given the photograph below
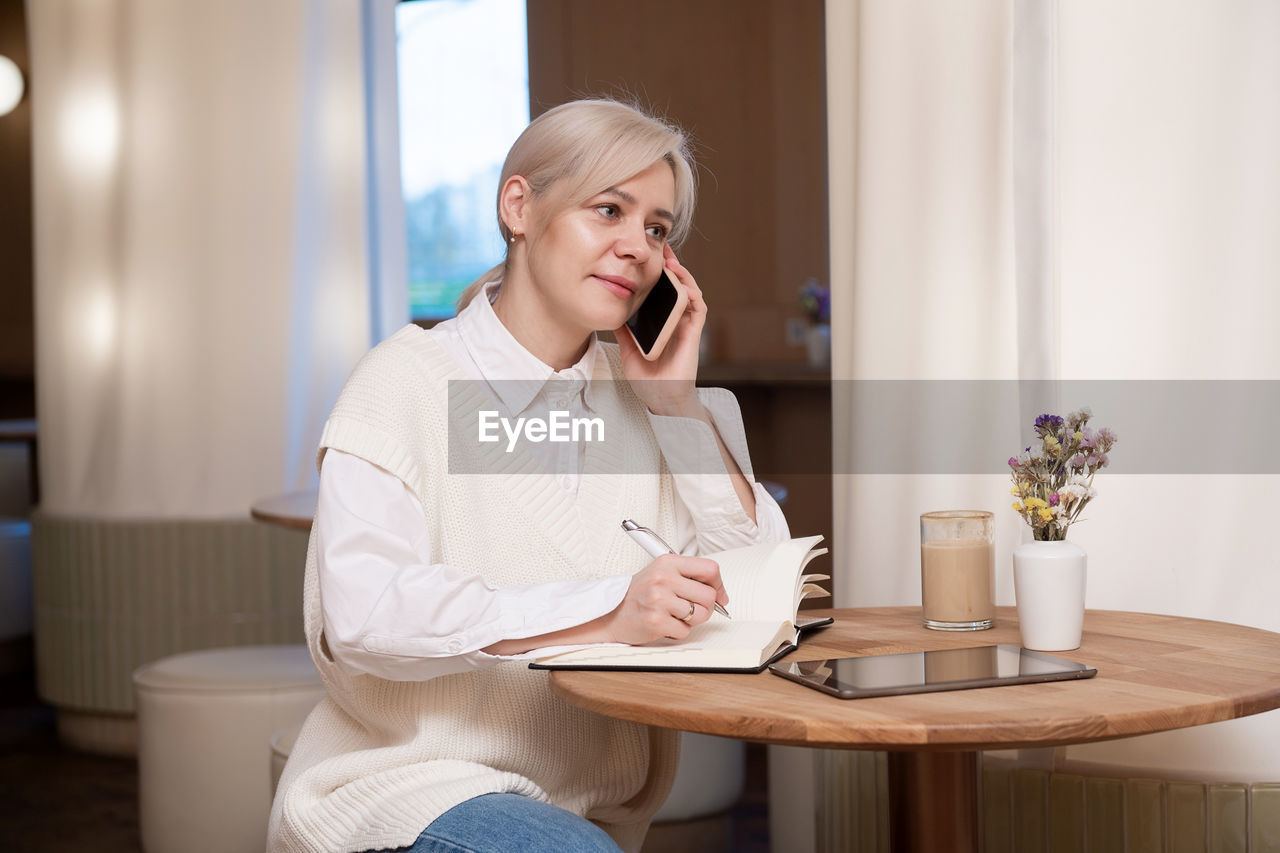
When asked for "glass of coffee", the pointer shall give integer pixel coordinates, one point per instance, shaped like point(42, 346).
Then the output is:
point(957, 570)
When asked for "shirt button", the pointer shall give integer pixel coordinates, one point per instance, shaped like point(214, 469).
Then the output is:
point(454, 646)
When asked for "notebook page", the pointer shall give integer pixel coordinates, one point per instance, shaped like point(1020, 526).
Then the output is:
point(761, 581)
point(709, 636)
point(724, 634)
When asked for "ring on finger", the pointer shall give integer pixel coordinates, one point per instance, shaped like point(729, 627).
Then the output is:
point(688, 617)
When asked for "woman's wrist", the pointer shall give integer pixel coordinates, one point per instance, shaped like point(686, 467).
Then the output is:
point(598, 630)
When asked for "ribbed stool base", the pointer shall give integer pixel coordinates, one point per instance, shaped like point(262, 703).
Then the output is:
point(101, 734)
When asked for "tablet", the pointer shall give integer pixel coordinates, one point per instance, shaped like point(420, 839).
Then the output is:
point(927, 672)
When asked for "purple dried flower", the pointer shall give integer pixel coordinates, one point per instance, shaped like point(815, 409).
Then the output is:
point(1053, 499)
point(1013, 462)
point(815, 301)
point(1047, 424)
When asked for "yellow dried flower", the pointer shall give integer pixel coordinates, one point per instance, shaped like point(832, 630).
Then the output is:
point(1017, 507)
point(1046, 514)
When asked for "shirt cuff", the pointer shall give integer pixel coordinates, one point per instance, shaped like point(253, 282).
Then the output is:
point(514, 613)
point(548, 607)
point(600, 599)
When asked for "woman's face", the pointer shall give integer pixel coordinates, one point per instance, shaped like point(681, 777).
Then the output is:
point(593, 264)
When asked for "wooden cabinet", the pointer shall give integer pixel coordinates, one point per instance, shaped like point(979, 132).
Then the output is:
point(746, 79)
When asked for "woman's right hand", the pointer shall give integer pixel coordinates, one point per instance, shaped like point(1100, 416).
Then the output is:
point(667, 598)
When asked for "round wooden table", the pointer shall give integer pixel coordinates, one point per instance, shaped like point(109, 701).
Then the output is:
point(1154, 673)
point(294, 510)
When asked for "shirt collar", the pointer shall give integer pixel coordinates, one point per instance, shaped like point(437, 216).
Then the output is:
point(515, 374)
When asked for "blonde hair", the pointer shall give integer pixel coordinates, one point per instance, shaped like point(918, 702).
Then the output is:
point(584, 147)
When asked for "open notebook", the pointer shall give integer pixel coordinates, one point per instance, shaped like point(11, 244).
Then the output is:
point(766, 584)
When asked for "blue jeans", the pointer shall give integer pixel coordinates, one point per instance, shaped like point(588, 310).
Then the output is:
point(498, 823)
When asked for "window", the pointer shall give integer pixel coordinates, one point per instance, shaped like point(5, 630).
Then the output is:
point(464, 98)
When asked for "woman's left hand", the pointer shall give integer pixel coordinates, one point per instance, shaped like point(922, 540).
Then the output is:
point(666, 385)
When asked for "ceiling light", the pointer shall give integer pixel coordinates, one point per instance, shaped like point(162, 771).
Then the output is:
point(11, 85)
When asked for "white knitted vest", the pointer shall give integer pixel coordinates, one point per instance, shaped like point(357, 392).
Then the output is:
point(378, 760)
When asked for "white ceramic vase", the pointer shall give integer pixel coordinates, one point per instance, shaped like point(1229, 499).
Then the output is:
point(1048, 582)
point(817, 344)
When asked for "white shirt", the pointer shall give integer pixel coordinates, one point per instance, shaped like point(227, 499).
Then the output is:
point(373, 546)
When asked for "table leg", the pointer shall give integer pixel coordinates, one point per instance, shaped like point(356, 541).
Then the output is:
point(934, 802)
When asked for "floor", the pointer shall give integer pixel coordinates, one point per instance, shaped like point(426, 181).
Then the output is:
point(56, 800)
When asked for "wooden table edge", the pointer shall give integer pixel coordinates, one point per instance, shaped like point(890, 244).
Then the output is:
point(1085, 728)
point(292, 510)
point(280, 520)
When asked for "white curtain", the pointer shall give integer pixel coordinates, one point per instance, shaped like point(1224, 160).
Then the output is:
point(922, 255)
point(202, 255)
point(1028, 189)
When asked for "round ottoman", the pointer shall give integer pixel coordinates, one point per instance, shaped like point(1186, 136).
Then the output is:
point(204, 720)
point(281, 746)
point(709, 779)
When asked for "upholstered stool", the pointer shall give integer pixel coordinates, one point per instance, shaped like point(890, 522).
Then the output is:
point(281, 745)
point(204, 720)
point(709, 779)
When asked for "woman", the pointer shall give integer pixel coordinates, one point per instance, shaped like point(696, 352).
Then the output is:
point(437, 560)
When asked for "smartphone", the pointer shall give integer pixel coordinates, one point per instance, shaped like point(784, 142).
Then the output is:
point(653, 323)
point(926, 672)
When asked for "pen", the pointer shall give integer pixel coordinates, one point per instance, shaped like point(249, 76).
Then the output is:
point(655, 547)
